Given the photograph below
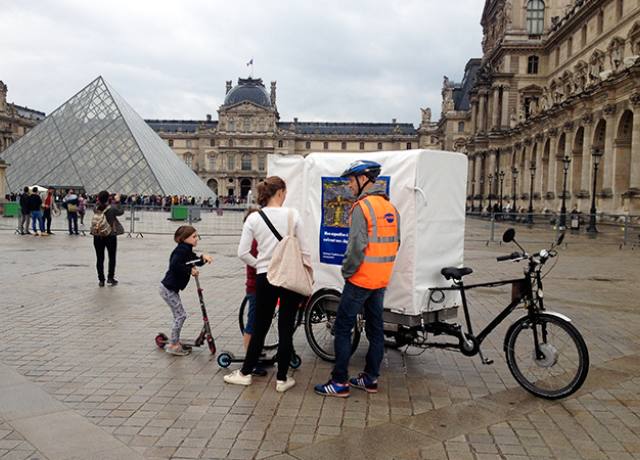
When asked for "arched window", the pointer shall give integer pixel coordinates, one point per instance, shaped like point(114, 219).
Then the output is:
point(532, 65)
point(247, 124)
point(213, 143)
point(280, 144)
point(379, 145)
point(307, 145)
point(246, 162)
point(461, 126)
point(535, 17)
point(361, 145)
point(344, 146)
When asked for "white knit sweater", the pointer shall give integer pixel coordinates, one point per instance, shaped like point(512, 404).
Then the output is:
point(256, 228)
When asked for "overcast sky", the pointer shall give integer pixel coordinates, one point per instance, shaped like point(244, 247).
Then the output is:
point(333, 60)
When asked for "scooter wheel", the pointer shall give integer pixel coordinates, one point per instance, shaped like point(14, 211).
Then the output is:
point(295, 362)
point(225, 359)
point(161, 340)
point(212, 347)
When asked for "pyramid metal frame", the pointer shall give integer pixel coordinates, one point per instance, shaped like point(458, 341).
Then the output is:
point(96, 141)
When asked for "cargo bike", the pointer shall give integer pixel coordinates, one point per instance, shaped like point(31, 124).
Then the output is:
point(544, 351)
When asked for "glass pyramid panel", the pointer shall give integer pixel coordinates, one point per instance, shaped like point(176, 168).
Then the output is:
point(98, 142)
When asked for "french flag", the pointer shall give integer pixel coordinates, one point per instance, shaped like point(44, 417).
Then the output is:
point(250, 62)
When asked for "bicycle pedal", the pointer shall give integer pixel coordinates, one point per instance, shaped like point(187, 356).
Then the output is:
point(487, 361)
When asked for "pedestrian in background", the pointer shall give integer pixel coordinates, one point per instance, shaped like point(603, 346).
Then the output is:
point(70, 202)
point(25, 214)
point(109, 242)
point(49, 206)
point(35, 202)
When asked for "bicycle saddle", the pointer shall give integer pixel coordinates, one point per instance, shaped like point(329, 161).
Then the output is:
point(455, 273)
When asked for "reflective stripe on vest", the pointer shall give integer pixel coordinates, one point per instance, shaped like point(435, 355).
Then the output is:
point(383, 234)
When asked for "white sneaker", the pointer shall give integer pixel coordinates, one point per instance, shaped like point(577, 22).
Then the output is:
point(237, 378)
point(284, 385)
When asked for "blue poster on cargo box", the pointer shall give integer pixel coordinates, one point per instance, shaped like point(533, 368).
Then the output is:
point(337, 200)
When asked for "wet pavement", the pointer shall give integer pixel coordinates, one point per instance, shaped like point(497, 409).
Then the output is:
point(81, 377)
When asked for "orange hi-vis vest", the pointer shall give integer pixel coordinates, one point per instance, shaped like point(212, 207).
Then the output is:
point(383, 230)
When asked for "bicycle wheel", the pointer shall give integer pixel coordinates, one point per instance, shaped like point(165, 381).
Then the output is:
point(563, 363)
point(319, 317)
point(271, 340)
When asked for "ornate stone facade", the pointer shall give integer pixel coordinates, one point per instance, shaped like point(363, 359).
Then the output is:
point(14, 119)
point(230, 154)
point(557, 79)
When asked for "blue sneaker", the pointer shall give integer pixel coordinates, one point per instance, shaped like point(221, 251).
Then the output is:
point(362, 382)
point(331, 388)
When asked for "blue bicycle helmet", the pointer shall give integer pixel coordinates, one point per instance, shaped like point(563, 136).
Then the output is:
point(371, 169)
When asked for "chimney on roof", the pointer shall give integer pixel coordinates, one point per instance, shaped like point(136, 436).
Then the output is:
point(295, 120)
point(228, 86)
point(208, 117)
point(393, 120)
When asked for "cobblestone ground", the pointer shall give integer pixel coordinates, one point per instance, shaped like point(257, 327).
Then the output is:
point(93, 350)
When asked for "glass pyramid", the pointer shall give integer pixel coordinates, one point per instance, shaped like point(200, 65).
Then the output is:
point(96, 141)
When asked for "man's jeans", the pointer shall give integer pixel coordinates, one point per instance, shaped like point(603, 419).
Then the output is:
point(23, 222)
point(37, 216)
point(351, 302)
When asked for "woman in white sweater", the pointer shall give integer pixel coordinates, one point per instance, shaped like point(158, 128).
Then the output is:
point(271, 195)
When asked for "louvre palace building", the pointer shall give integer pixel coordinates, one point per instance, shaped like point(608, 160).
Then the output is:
point(558, 82)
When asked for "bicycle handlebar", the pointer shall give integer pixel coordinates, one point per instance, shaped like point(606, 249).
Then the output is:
point(512, 256)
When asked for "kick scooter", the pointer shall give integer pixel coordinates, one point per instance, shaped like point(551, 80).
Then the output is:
point(205, 333)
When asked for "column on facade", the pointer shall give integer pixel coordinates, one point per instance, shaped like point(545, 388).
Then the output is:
point(553, 162)
point(504, 119)
point(482, 112)
point(478, 171)
point(474, 116)
point(492, 170)
point(587, 163)
point(608, 171)
point(635, 151)
point(496, 108)
point(568, 150)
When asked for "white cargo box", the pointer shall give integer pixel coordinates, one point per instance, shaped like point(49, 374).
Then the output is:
point(428, 189)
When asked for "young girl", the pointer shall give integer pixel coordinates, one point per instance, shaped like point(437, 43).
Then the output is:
point(176, 280)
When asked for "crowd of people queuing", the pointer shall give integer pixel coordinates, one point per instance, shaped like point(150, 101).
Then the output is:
point(150, 202)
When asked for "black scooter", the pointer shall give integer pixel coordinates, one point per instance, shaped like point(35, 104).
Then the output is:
point(205, 333)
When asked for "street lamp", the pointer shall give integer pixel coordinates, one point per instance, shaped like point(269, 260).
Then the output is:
point(592, 217)
point(481, 191)
point(515, 179)
point(563, 209)
point(490, 190)
point(532, 169)
point(473, 193)
point(501, 181)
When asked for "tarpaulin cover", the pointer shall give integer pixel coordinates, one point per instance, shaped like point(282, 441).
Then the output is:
point(428, 189)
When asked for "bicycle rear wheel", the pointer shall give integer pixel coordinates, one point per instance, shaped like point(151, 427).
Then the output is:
point(561, 366)
point(320, 315)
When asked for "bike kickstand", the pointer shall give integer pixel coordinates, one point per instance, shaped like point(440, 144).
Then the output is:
point(484, 360)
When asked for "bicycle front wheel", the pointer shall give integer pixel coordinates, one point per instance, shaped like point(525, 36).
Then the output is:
point(558, 366)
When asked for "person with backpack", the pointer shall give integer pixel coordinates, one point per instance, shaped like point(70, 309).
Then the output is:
point(70, 202)
point(105, 228)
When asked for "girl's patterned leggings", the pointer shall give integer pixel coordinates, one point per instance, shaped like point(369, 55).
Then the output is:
point(173, 300)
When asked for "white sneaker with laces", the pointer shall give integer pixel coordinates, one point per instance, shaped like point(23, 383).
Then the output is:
point(284, 385)
point(237, 378)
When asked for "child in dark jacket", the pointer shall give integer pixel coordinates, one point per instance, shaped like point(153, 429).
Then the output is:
point(176, 280)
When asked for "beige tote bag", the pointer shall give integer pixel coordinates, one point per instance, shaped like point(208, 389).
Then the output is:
point(287, 267)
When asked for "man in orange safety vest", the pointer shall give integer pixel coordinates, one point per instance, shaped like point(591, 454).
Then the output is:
point(374, 239)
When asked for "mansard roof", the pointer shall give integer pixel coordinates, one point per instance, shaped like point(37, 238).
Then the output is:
point(185, 126)
point(328, 128)
point(461, 93)
point(248, 89)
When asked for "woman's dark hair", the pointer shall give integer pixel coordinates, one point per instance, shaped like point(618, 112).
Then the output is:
point(268, 188)
point(103, 196)
point(183, 232)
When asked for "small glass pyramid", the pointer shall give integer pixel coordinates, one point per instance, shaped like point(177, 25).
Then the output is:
point(96, 141)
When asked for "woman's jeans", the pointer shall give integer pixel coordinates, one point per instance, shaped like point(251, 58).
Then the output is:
point(353, 299)
point(110, 243)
